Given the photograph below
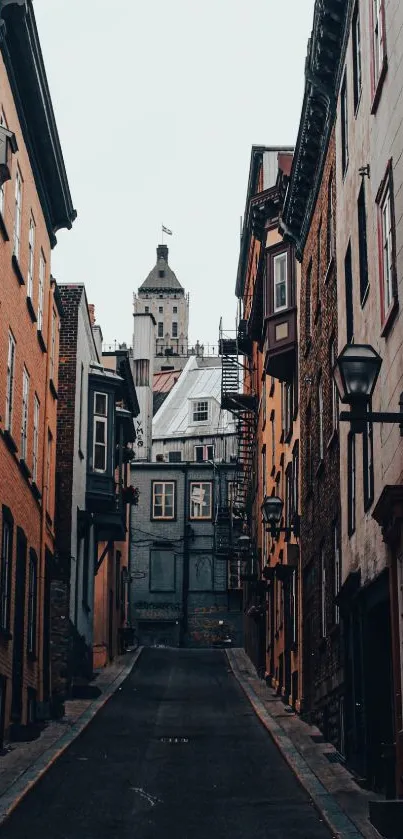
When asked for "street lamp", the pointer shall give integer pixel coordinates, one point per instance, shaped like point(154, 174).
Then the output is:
point(355, 374)
point(245, 556)
point(272, 509)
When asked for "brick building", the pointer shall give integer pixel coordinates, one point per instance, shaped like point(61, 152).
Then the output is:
point(35, 202)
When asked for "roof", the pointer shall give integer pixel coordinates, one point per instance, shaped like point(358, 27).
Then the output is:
point(161, 278)
point(21, 51)
point(164, 380)
point(197, 381)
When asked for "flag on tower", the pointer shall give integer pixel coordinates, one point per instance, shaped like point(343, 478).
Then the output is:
point(165, 230)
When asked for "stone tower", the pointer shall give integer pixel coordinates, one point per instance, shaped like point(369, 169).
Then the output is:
point(162, 296)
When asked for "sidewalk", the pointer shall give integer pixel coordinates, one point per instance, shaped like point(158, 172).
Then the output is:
point(342, 803)
point(23, 764)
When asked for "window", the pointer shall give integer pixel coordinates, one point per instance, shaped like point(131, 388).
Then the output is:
point(357, 69)
point(24, 413)
point(142, 372)
point(10, 382)
point(200, 411)
point(348, 277)
point(386, 235)
point(344, 126)
point(53, 346)
point(41, 291)
point(48, 470)
point(203, 453)
point(362, 244)
point(330, 235)
point(174, 329)
point(294, 606)
point(288, 408)
point(100, 432)
point(161, 273)
point(5, 570)
point(175, 310)
point(160, 309)
point(378, 44)
point(320, 419)
point(264, 399)
point(323, 593)
point(163, 500)
point(295, 479)
point(280, 282)
point(32, 602)
point(31, 255)
point(35, 440)
point(288, 496)
point(337, 570)
point(308, 303)
point(17, 213)
point(368, 466)
point(201, 500)
point(160, 329)
point(351, 483)
point(147, 309)
point(335, 396)
point(174, 457)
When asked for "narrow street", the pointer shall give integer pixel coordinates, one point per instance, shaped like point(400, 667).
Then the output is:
point(122, 778)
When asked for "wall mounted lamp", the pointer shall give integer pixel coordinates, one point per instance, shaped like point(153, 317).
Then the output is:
point(355, 374)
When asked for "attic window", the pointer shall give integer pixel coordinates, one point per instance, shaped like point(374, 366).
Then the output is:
point(161, 272)
point(200, 411)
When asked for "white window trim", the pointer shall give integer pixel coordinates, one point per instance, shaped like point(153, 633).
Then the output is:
point(195, 408)
point(280, 256)
point(196, 507)
point(24, 413)
point(102, 419)
point(17, 213)
point(8, 422)
point(35, 439)
point(31, 257)
point(205, 448)
point(387, 250)
point(163, 484)
point(42, 271)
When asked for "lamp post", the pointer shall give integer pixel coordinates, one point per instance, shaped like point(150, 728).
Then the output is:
point(355, 374)
point(272, 509)
point(246, 556)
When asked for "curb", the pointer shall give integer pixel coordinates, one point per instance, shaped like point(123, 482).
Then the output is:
point(335, 818)
point(30, 777)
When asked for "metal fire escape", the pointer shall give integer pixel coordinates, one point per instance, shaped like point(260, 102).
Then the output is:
point(235, 348)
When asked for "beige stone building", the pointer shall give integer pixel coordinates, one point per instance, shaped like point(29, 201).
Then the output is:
point(369, 224)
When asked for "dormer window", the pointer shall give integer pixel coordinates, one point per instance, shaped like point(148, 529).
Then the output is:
point(200, 411)
point(100, 432)
point(280, 282)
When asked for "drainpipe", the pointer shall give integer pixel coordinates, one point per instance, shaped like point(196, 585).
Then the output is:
point(185, 575)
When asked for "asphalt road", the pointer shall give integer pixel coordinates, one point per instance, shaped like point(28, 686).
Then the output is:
point(125, 777)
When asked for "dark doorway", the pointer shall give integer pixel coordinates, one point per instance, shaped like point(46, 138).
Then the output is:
point(46, 628)
point(379, 700)
point(19, 628)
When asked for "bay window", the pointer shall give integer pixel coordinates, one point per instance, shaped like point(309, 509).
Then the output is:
point(280, 282)
point(100, 444)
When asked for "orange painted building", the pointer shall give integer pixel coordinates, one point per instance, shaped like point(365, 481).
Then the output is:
point(268, 425)
point(34, 203)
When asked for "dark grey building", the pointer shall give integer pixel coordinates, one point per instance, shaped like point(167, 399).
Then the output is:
point(180, 549)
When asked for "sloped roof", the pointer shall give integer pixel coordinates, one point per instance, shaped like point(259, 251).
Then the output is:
point(164, 380)
point(161, 278)
point(198, 381)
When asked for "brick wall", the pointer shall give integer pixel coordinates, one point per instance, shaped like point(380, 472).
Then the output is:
point(320, 477)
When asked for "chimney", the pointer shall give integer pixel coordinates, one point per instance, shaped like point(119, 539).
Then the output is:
point(162, 252)
point(91, 309)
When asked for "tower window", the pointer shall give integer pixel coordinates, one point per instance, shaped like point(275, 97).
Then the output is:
point(160, 329)
point(160, 309)
point(175, 310)
point(174, 329)
point(161, 273)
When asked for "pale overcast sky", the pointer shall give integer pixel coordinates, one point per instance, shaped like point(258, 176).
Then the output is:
point(158, 103)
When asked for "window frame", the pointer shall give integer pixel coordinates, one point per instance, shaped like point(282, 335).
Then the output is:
point(35, 443)
point(31, 257)
point(362, 243)
point(163, 483)
point(330, 222)
point(52, 359)
point(386, 193)
point(9, 411)
point(193, 504)
point(198, 410)
point(17, 213)
point(378, 73)
point(276, 257)
point(160, 329)
point(205, 447)
point(357, 56)
point(6, 568)
point(41, 291)
point(344, 125)
point(25, 413)
point(174, 329)
point(101, 419)
point(349, 292)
